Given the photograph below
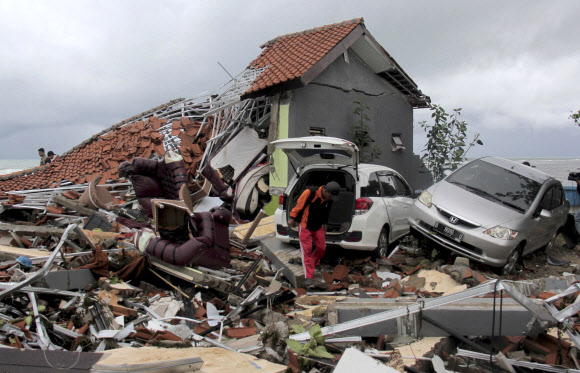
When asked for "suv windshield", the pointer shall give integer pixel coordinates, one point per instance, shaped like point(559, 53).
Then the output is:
point(497, 184)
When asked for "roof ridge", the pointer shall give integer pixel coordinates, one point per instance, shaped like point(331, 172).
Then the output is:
point(316, 29)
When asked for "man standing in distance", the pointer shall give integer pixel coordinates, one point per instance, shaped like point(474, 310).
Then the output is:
point(43, 157)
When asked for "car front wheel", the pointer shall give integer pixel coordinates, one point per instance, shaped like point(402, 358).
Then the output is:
point(382, 249)
point(511, 262)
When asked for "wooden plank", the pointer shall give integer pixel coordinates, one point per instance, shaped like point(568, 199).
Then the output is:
point(74, 205)
point(280, 253)
point(14, 360)
point(29, 253)
point(192, 275)
point(35, 231)
point(214, 359)
point(265, 227)
point(253, 226)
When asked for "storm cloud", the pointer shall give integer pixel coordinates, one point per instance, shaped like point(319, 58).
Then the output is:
point(69, 69)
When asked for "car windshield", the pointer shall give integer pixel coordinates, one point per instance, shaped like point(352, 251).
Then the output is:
point(497, 184)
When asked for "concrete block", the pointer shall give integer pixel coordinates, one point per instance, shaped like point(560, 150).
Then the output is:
point(280, 253)
point(461, 261)
point(70, 279)
point(355, 361)
point(467, 317)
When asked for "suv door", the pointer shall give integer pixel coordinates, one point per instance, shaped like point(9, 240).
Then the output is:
point(397, 205)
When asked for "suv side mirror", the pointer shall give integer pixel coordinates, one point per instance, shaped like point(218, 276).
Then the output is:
point(417, 193)
point(545, 214)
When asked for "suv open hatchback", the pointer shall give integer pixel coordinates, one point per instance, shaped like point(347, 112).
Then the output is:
point(374, 201)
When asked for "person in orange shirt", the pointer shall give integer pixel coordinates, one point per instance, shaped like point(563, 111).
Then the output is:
point(312, 210)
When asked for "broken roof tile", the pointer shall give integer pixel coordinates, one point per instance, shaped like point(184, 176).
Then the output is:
point(288, 57)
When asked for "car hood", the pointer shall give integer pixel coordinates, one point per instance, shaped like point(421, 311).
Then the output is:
point(305, 151)
point(470, 206)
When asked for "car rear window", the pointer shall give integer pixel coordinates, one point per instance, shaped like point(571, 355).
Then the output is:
point(373, 189)
point(497, 184)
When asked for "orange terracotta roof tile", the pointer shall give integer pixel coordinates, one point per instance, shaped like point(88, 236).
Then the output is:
point(288, 57)
point(102, 154)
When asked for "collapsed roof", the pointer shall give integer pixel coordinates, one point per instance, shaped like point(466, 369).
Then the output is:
point(198, 127)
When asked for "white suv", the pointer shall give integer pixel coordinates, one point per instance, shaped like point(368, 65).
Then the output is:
point(374, 202)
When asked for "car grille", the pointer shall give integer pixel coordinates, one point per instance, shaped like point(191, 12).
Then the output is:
point(459, 221)
point(463, 245)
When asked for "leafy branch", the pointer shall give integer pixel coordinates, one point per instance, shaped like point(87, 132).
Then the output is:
point(314, 347)
point(575, 117)
point(360, 134)
point(446, 141)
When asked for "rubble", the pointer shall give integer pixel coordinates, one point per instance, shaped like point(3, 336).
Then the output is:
point(92, 291)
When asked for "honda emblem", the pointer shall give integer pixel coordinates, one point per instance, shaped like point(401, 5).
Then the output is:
point(453, 219)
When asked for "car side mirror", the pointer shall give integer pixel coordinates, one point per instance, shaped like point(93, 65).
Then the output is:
point(545, 214)
point(416, 193)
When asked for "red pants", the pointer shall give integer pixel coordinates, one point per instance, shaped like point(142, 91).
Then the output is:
point(310, 259)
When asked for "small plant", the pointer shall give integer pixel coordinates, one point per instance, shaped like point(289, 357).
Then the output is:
point(360, 134)
point(314, 347)
point(575, 117)
point(446, 141)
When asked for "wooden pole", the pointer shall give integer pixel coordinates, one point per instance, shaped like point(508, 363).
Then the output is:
point(253, 227)
point(169, 283)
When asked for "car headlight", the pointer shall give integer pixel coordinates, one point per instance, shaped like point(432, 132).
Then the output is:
point(502, 233)
point(425, 198)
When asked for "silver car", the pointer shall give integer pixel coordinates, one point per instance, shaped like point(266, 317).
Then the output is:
point(492, 210)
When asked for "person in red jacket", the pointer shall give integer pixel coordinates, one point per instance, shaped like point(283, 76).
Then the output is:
point(312, 209)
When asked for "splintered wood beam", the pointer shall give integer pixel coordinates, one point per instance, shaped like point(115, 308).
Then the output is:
point(73, 205)
point(192, 275)
point(32, 230)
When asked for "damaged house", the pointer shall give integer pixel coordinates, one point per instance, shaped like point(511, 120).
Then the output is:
point(313, 79)
point(303, 83)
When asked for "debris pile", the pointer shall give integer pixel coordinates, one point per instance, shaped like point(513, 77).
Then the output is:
point(79, 278)
point(161, 255)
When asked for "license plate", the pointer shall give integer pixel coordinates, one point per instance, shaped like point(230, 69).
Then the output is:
point(448, 231)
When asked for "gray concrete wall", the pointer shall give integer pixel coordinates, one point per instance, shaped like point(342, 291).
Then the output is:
point(328, 102)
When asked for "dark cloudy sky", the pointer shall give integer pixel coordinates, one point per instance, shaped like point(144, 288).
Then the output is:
point(69, 69)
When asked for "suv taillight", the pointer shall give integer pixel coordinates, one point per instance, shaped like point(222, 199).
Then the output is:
point(281, 201)
point(362, 205)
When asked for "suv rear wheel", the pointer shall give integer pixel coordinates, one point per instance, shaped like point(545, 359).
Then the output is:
point(382, 249)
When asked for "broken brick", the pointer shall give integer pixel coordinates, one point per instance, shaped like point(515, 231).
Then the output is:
point(55, 210)
point(394, 290)
point(71, 194)
point(327, 277)
point(165, 335)
point(409, 273)
point(199, 312)
point(340, 272)
point(468, 273)
point(240, 332)
point(545, 295)
point(536, 347)
point(293, 363)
